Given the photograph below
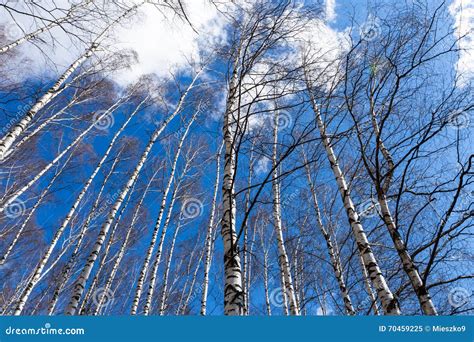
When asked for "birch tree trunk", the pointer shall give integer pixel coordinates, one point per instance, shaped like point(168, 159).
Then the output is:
point(408, 264)
point(59, 232)
point(233, 288)
point(123, 247)
point(385, 295)
point(36, 33)
point(245, 251)
point(43, 194)
point(45, 169)
point(84, 276)
point(7, 141)
point(265, 281)
point(282, 254)
point(333, 256)
point(67, 268)
point(151, 248)
point(368, 287)
point(191, 291)
point(209, 235)
point(92, 289)
point(167, 271)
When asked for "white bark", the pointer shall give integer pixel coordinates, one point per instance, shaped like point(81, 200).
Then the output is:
point(233, 288)
point(408, 264)
point(43, 194)
point(108, 246)
point(39, 31)
point(45, 169)
point(59, 232)
point(368, 287)
point(333, 255)
point(67, 268)
point(385, 295)
point(209, 236)
point(151, 248)
point(7, 141)
point(123, 247)
point(84, 276)
point(282, 254)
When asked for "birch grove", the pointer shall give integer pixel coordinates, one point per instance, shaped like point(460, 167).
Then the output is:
point(235, 158)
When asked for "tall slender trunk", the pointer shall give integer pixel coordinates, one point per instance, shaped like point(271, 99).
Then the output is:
point(39, 268)
point(283, 260)
point(209, 235)
point(72, 259)
point(49, 120)
point(43, 194)
point(249, 272)
point(233, 288)
point(368, 287)
point(123, 247)
point(92, 292)
point(174, 196)
point(167, 271)
point(192, 292)
point(265, 280)
point(46, 168)
point(151, 248)
point(7, 141)
point(408, 264)
point(333, 255)
point(39, 31)
point(84, 276)
point(387, 299)
point(245, 252)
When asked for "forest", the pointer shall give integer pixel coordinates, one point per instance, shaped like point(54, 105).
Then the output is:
point(236, 157)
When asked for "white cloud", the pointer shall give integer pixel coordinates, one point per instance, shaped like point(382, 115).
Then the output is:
point(162, 41)
point(330, 10)
point(463, 13)
point(263, 165)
